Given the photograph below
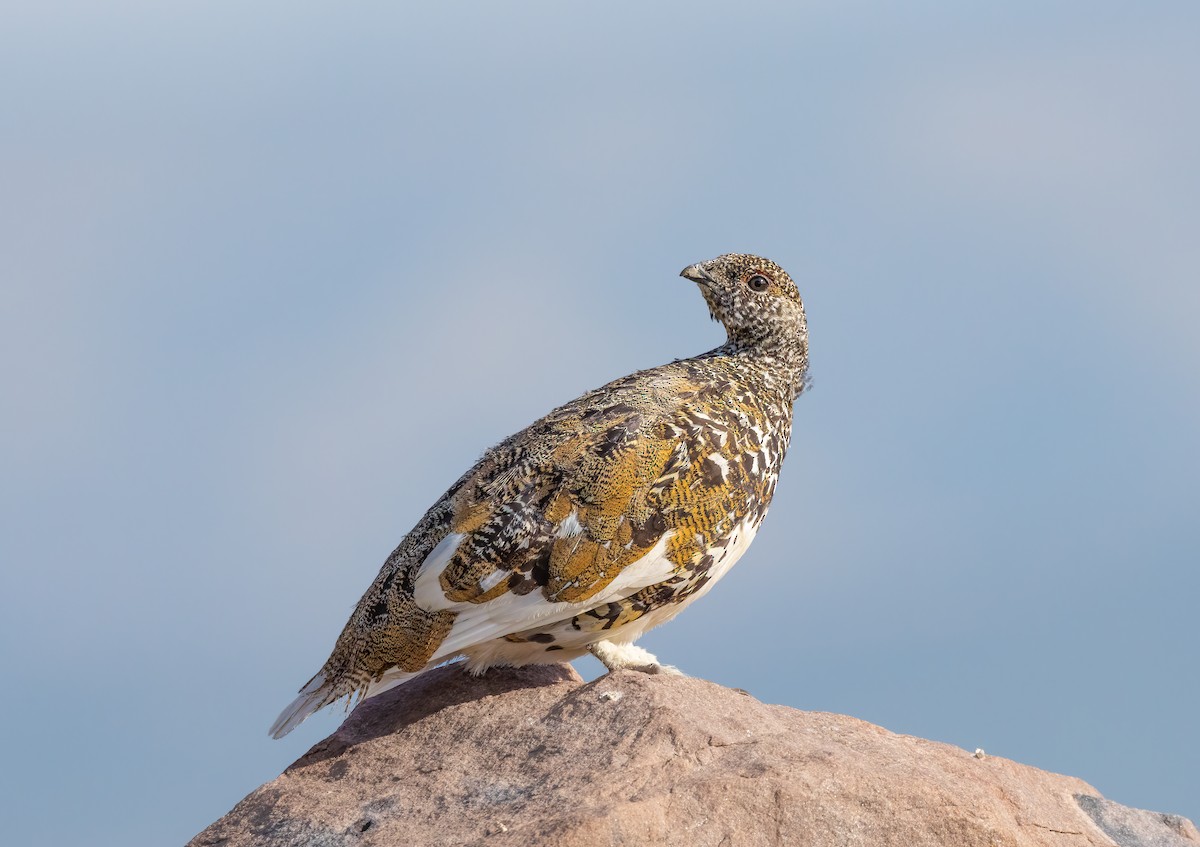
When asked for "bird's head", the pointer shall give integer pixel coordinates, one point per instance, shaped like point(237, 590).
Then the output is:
point(756, 301)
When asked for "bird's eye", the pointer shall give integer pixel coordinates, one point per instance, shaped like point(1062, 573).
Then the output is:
point(758, 282)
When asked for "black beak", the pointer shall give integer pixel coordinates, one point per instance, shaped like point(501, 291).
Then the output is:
point(697, 274)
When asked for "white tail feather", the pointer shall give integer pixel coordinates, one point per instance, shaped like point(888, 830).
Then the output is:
point(316, 696)
point(312, 697)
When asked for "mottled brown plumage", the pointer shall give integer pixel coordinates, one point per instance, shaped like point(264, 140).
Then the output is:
point(600, 520)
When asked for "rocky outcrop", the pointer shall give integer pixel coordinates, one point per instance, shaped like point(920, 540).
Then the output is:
point(536, 757)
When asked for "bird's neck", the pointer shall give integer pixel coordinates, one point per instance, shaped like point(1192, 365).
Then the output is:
point(781, 358)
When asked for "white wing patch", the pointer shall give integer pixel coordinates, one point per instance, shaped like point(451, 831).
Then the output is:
point(570, 526)
point(427, 590)
point(480, 622)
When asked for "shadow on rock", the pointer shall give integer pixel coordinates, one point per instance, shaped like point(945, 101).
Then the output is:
point(392, 711)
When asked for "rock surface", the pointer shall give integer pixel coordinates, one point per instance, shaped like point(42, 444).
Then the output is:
point(536, 757)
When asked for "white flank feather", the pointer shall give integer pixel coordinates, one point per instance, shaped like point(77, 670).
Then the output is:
point(481, 622)
point(390, 679)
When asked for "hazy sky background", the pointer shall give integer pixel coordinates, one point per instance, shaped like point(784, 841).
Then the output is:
point(274, 274)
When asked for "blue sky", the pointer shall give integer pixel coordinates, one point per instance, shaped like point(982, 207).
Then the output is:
point(273, 276)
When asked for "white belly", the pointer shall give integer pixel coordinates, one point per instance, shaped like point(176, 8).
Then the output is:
point(570, 643)
point(739, 542)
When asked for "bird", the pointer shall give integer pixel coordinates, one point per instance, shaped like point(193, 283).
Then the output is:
point(597, 522)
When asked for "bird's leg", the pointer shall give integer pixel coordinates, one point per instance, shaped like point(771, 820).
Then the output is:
point(616, 657)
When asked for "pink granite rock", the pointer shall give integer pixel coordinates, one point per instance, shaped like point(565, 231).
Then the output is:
point(536, 757)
